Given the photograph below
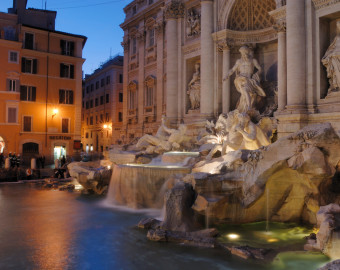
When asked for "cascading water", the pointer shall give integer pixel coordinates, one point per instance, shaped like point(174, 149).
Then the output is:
point(139, 186)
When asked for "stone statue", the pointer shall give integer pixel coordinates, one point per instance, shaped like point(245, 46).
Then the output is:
point(247, 83)
point(193, 24)
point(166, 139)
point(194, 88)
point(331, 61)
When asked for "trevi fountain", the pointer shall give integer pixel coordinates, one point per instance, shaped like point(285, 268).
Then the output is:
point(235, 186)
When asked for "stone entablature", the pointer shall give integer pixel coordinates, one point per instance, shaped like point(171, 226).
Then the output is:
point(239, 38)
point(319, 4)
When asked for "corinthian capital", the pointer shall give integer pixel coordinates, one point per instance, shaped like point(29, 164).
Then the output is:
point(174, 10)
point(280, 26)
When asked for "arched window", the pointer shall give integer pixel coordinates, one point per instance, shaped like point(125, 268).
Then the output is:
point(132, 95)
point(150, 83)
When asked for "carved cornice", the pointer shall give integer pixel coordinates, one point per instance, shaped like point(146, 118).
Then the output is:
point(319, 4)
point(174, 10)
point(237, 38)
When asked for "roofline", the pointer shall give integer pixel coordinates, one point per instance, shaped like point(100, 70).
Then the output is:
point(59, 32)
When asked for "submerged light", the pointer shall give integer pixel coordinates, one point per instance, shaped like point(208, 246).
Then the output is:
point(233, 236)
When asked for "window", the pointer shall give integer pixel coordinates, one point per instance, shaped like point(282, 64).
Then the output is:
point(150, 2)
point(134, 46)
point(29, 65)
point(96, 102)
point(92, 87)
point(102, 82)
point(108, 79)
point(10, 33)
point(134, 10)
point(87, 104)
point(120, 78)
point(87, 121)
point(27, 124)
point(97, 85)
point(12, 114)
point(29, 41)
point(101, 117)
point(12, 85)
point(67, 47)
point(65, 96)
point(13, 57)
point(91, 123)
point(65, 125)
point(83, 106)
point(91, 103)
point(120, 117)
point(87, 135)
point(87, 89)
point(151, 37)
point(149, 96)
point(96, 119)
point(107, 98)
point(27, 93)
point(107, 117)
point(101, 100)
point(66, 71)
point(120, 97)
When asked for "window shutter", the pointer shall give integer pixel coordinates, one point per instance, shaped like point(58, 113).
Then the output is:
point(17, 85)
point(61, 96)
point(8, 81)
point(35, 66)
point(61, 70)
point(62, 46)
point(71, 97)
point(72, 48)
point(34, 90)
point(72, 71)
point(23, 64)
point(23, 92)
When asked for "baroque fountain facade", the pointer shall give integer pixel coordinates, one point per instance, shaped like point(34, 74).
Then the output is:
point(252, 126)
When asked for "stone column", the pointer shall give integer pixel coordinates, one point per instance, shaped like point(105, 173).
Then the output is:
point(282, 66)
point(296, 55)
point(126, 47)
point(160, 68)
point(173, 11)
point(141, 76)
point(207, 58)
point(226, 83)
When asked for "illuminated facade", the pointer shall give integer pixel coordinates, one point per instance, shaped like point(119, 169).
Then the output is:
point(102, 114)
point(40, 84)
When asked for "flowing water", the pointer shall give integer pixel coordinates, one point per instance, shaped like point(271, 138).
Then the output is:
point(46, 229)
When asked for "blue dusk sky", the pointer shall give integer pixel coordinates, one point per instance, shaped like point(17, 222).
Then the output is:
point(98, 20)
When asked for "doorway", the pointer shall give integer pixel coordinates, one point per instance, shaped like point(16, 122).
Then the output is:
point(59, 151)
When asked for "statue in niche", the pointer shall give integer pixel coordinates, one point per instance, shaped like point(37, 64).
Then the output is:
point(193, 24)
point(194, 88)
point(247, 82)
point(331, 61)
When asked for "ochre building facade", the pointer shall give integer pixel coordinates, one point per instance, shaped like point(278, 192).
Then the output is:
point(40, 85)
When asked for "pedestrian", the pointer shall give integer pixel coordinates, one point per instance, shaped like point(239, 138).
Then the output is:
point(2, 160)
point(63, 161)
point(42, 160)
point(18, 161)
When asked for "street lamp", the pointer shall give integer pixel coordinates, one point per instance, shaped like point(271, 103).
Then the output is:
point(55, 111)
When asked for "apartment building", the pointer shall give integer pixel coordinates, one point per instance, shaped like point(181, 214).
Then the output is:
point(102, 106)
point(40, 84)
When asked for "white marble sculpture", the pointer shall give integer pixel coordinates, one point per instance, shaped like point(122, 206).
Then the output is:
point(194, 88)
point(331, 61)
point(247, 82)
point(166, 139)
point(193, 24)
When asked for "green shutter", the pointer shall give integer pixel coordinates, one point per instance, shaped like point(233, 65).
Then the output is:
point(23, 92)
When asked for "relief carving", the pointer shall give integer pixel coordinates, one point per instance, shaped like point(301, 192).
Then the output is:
point(193, 23)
